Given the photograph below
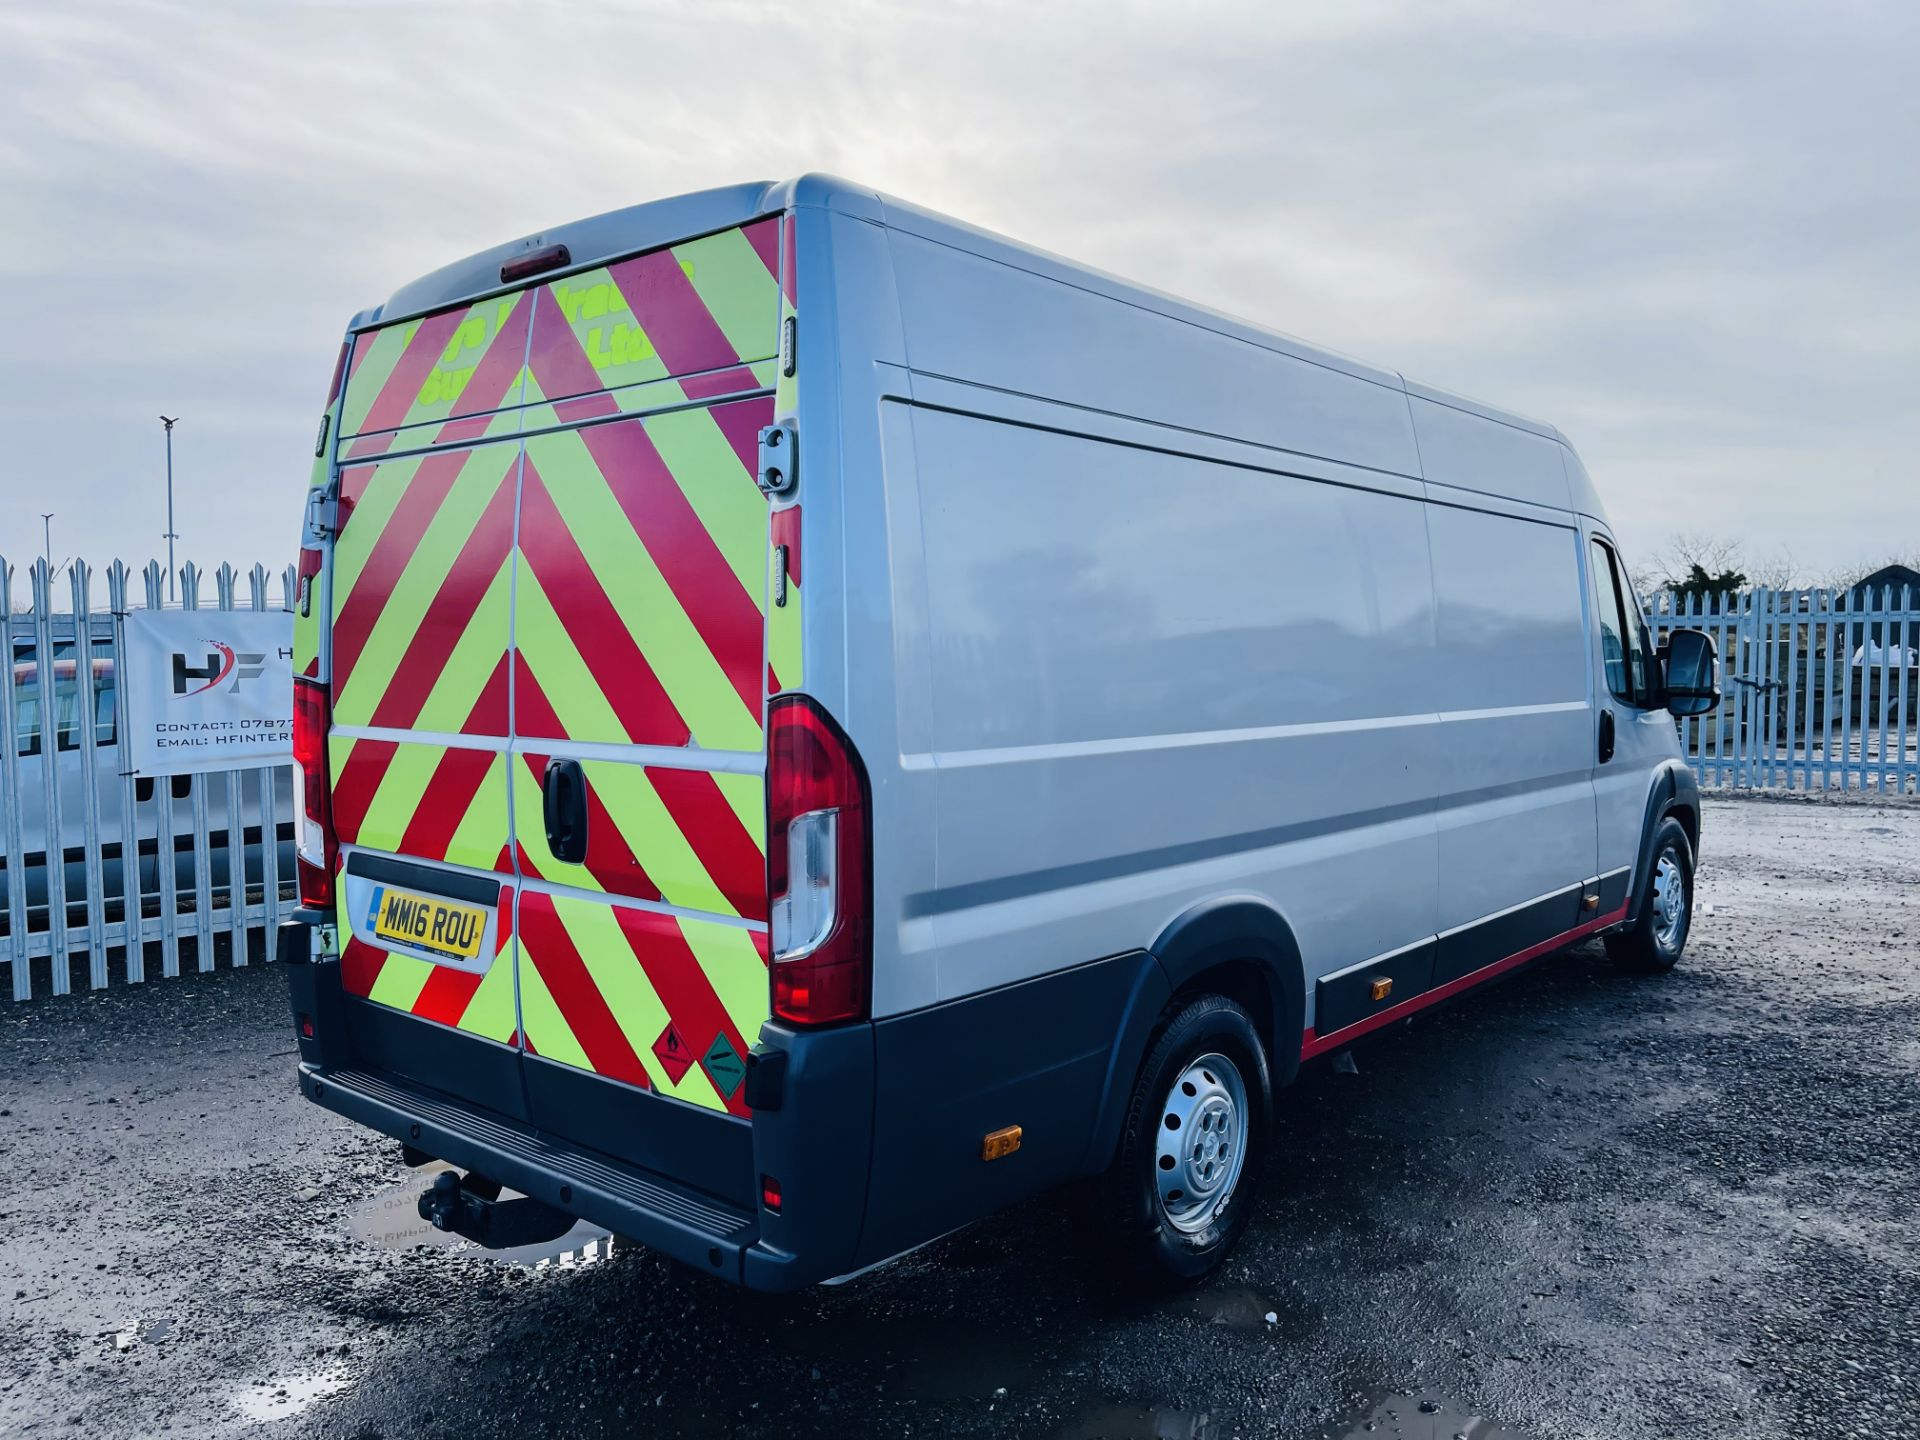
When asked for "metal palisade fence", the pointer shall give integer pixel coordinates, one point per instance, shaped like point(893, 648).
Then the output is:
point(1820, 694)
point(101, 868)
point(1819, 687)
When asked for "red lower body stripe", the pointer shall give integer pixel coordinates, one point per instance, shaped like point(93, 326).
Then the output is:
point(1313, 1044)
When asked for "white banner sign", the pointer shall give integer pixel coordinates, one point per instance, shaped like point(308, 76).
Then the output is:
point(207, 690)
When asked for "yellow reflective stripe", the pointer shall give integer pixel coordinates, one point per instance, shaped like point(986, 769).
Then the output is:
point(545, 1026)
point(622, 983)
point(420, 579)
point(747, 796)
point(783, 630)
point(528, 800)
point(400, 981)
point(717, 486)
point(656, 841)
point(565, 679)
point(482, 832)
point(491, 1012)
point(733, 967)
point(734, 285)
point(685, 667)
point(398, 796)
point(473, 659)
point(364, 383)
point(385, 488)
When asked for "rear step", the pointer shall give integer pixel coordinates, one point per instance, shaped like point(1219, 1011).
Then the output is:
point(690, 1226)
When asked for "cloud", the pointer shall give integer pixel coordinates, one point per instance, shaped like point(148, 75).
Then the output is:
point(1684, 234)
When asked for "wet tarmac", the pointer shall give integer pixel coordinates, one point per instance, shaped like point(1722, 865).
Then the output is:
point(1580, 1205)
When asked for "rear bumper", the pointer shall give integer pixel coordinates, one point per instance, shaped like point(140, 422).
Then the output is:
point(683, 1223)
point(812, 1134)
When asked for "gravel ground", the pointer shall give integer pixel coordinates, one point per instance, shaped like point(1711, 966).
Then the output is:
point(1580, 1204)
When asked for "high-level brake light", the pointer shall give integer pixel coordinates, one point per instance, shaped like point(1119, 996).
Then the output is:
point(819, 859)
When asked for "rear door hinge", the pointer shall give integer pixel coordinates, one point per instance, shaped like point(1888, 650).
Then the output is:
point(779, 459)
point(322, 521)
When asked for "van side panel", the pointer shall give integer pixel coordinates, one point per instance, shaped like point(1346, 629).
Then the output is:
point(1156, 678)
point(1516, 803)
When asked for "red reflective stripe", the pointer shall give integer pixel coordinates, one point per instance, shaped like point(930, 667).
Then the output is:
point(730, 381)
point(728, 619)
point(448, 615)
point(499, 367)
point(764, 236)
point(672, 313)
point(789, 265)
point(450, 792)
point(544, 940)
point(674, 972)
point(559, 366)
point(360, 966)
point(610, 860)
point(592, 624)
point(445, 996)
point(786, 531)
point(387, 558)
point(732, 861)
point(396, 397)
point(1313, 1044)
point(357, 783)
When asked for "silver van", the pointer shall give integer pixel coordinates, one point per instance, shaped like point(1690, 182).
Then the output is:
point(819, 721)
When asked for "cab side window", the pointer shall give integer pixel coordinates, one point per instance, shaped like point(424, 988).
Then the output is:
point(1610, 611)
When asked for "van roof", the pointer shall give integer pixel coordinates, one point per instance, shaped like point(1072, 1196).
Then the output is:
point(594, 241)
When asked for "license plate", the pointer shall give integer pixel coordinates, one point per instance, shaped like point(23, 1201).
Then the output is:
point(425, 922)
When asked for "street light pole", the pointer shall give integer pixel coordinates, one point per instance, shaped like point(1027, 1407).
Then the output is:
point(170, 537)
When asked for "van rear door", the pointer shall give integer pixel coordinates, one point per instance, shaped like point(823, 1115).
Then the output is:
point(548, 671)
point(418, 676)
point(640, 681)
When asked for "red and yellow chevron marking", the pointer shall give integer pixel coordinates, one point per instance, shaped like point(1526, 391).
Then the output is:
point(452, 371)
point(430, 802)
point(692, 838)
point(422, 581)
point(478, 1004)
point(600, 983)
point(706, 305)
point(639, 614)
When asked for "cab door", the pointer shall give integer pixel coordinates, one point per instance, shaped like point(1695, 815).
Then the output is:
point(639, 683)
point(1633, 733)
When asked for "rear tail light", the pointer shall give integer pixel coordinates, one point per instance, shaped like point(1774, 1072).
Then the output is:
point(819, 859)
point(312, 805)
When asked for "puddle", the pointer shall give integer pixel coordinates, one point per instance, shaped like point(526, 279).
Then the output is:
point(1240, 1308)
point(277, 1399)
point(1414, 1417)
point(1387, 1417)
point(1119, 1422)
point(390, 1220)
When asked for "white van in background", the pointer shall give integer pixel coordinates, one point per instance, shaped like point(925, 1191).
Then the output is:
point(1138, 703)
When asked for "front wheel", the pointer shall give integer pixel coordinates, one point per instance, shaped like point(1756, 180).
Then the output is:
point(1182, 1187)
point(1654, 941)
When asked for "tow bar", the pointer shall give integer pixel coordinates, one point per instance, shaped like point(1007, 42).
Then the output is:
point(470, 1206)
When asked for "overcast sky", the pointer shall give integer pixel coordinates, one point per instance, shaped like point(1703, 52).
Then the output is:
point(1687, 235)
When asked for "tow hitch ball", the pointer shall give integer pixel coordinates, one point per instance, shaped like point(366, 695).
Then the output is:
point(471, 1207)
point(448, 1207)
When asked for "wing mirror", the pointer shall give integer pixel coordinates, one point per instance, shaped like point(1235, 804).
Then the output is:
point(1691, 667)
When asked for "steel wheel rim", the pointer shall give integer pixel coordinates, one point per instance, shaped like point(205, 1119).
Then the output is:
point(1669, 901)
point(1201, 1146)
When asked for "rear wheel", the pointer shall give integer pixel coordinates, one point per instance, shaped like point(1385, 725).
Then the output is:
point(1182, 1187)
point(1655, 940)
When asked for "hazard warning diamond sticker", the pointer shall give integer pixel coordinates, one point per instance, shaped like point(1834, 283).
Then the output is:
point(672, 1053)
point(724, 1066)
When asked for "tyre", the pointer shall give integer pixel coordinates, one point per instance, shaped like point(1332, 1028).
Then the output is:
point(1182, 1187)
point(1654, 941)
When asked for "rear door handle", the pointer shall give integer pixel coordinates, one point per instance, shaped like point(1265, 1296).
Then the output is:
point(564, 808)
point(1606, 736)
